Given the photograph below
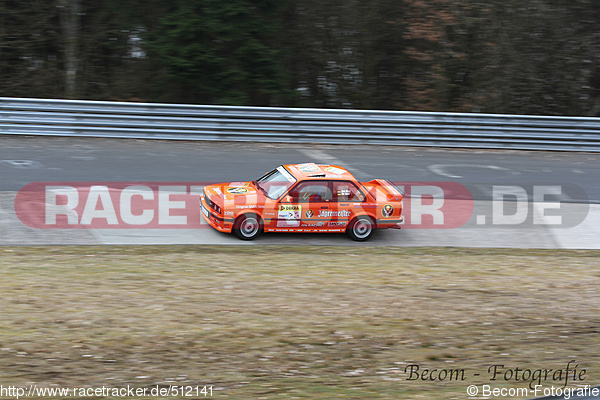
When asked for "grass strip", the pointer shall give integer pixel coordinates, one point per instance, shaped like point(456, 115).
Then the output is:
point(272, 322)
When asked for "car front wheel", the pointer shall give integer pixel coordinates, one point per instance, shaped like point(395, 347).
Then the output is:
point(360, 229)
point(247, 227)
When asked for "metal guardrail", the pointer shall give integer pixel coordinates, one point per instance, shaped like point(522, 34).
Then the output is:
point(295, 125)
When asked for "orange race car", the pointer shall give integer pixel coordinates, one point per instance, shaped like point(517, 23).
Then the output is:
point(303, 198)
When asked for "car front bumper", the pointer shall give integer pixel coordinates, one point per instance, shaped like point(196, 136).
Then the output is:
point(219, 223)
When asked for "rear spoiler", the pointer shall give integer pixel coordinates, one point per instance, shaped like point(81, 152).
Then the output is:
point(392, 191)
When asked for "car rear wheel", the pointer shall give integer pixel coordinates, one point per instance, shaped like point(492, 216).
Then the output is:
point(360, 229)
point(247, 226)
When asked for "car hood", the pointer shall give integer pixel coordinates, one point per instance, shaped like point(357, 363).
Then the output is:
point(233, 192)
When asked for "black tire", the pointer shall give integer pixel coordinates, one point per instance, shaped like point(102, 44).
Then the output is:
point(247, 226)
point(360, 229)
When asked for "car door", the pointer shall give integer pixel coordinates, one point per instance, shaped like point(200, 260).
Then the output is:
point(347, 200)
point(310, 206)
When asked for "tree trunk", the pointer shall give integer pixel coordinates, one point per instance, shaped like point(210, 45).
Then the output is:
point(69, 20)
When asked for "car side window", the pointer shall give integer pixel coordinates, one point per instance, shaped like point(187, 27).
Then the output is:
point(345, 191)
point(312, 192)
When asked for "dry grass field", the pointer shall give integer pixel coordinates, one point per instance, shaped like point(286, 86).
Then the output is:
point(272, 322)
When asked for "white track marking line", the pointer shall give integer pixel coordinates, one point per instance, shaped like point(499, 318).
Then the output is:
point(441, 169)
point(326, 158)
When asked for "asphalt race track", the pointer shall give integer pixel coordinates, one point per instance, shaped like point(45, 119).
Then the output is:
point(24, 160)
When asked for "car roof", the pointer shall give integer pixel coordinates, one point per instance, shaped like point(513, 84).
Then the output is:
point(319, 171)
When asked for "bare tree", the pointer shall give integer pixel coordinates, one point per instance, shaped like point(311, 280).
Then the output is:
point(69, 21)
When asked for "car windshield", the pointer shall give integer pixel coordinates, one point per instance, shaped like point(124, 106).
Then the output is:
point(275, 183)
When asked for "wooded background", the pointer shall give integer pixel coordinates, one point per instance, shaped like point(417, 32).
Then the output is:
point(498, 56)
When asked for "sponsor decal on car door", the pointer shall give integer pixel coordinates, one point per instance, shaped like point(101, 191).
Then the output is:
point(312, 218)
point(346, 196)
point(289, 215)
point(339, 216)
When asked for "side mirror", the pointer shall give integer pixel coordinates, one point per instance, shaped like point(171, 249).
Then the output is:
point(287, 199)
